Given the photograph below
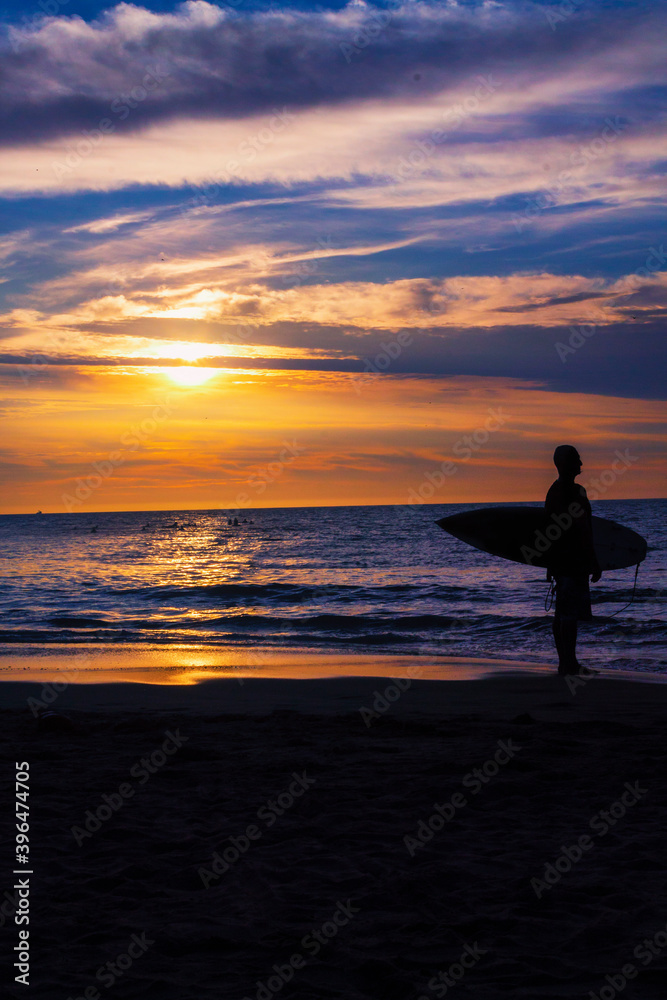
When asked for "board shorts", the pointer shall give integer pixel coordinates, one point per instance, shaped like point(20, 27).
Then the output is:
point(573, 597)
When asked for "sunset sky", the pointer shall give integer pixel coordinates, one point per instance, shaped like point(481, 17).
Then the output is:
point(307, 253)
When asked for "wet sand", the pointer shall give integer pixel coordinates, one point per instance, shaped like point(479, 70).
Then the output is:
point(188, 665)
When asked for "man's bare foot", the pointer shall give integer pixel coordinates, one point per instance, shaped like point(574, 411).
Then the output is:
point(583, 671)
point(578, 669)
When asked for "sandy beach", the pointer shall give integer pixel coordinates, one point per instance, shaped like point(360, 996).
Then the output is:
point(341, 837)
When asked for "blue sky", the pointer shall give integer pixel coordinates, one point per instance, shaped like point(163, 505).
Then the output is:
point(488, 177)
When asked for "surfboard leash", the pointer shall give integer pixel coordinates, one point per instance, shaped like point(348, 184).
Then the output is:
point(634, 588)
point(550, 595)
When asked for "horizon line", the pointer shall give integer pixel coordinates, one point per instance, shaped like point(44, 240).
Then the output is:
point(176, 510)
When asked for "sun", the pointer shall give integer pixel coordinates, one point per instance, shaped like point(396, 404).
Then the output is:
point(190, 375)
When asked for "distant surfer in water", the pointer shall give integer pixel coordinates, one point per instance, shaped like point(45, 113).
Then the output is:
point(571, 558)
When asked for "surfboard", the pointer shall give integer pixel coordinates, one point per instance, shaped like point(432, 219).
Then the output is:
point(525, 534)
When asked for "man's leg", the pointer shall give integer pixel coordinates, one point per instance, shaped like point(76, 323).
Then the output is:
point(555, 628)
point(564, 624)
point(565, 637)
point(568, 642)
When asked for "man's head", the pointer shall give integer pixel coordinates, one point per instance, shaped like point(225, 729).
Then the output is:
point(567, 460)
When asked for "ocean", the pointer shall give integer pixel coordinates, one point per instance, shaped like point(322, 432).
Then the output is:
point(329, 579)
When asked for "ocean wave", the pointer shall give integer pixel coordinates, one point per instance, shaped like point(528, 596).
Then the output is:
point(331, 625)
point(286, 593)
point(78, 622)
point(311, 577)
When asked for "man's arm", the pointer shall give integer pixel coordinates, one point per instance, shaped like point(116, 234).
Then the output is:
point(586, 536)
point(553, 504)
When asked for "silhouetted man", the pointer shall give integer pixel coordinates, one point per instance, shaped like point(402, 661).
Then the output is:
point(571, 557)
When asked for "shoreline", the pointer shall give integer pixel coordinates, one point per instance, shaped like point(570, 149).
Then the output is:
point(184, 666)
point(187, 666)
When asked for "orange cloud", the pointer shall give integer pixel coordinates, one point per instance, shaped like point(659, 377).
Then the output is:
point(223, 444)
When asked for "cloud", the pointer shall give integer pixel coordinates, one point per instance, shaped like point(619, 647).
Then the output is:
point(601, 362)
point(279, 195)
point(203, 290)
point(368, 447)
point(110, 225)
point(136, 67)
